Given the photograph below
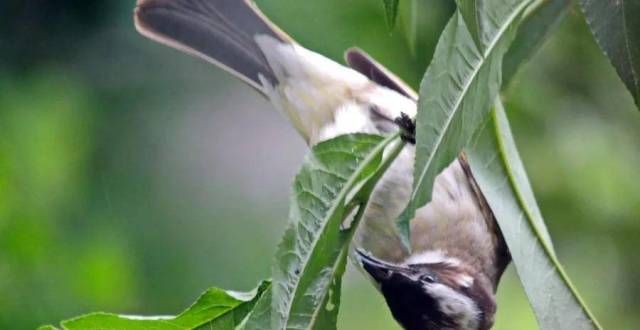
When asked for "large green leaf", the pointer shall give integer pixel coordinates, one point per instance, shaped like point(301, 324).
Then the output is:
point(335, 182)
point(215, 309)
point(540, 20)
point(616, 27)
point(500, 174)
point(456, 94)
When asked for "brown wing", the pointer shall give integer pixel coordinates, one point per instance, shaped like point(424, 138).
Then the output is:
point(503, 257)
point(365, 64)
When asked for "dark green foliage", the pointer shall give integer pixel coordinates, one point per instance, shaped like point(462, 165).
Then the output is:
point(34, 30)
point(532, 33)
point(616, 27)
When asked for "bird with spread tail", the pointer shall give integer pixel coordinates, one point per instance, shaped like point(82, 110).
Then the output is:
point(448, 277)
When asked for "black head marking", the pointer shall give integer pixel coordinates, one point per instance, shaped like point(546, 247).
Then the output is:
point(411, 306)
point(403, 290)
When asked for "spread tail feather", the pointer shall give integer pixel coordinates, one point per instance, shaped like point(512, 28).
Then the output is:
point(220, 31)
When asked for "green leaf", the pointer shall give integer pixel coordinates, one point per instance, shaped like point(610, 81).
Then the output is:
point(471, 11)
point(215, 309)
point(542, 18)
point(500, 174)
point(391, 11)
point(335, 181)
point(616, 27)
point(456, 94)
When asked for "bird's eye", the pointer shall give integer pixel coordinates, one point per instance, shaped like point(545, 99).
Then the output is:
point(428, 278)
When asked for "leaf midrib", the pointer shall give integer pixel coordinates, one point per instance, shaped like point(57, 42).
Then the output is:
point(362, 205)
point(314, 316)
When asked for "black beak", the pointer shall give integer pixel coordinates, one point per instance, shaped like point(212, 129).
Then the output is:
point(378, 269)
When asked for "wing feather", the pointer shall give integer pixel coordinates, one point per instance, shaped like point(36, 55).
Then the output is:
point(365, 64)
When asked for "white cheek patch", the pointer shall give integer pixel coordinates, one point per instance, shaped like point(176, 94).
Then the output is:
point(464, 280)
point(457, 306)
point(432, 257)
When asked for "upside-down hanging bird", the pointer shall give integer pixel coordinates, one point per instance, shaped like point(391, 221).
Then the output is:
point(448, 277)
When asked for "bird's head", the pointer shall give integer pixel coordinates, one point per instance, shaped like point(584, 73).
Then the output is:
point(432, 295)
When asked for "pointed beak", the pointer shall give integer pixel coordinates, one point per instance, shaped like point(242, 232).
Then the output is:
point(378, 269)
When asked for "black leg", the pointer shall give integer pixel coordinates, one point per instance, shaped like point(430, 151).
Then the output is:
point(408, 127)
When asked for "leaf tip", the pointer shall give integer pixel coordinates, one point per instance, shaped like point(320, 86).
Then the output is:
point(391, 12)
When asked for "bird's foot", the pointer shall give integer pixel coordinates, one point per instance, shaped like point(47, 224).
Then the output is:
point(408, 127)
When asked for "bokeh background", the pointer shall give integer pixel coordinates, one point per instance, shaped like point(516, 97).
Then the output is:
point(133, 177)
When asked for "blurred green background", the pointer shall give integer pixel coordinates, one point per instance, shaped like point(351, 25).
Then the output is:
point(133, 177)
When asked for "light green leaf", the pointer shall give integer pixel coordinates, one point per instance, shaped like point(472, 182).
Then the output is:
point(391, 11)
point(335, 181)
point(456, 94)
point(616, 27)
point(215, 309)
point(500, 174)
point(542, 18)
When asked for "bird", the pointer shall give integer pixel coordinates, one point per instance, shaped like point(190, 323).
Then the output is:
point(448, 275)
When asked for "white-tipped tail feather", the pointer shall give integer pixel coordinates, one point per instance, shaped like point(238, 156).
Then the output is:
point(221, 32)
